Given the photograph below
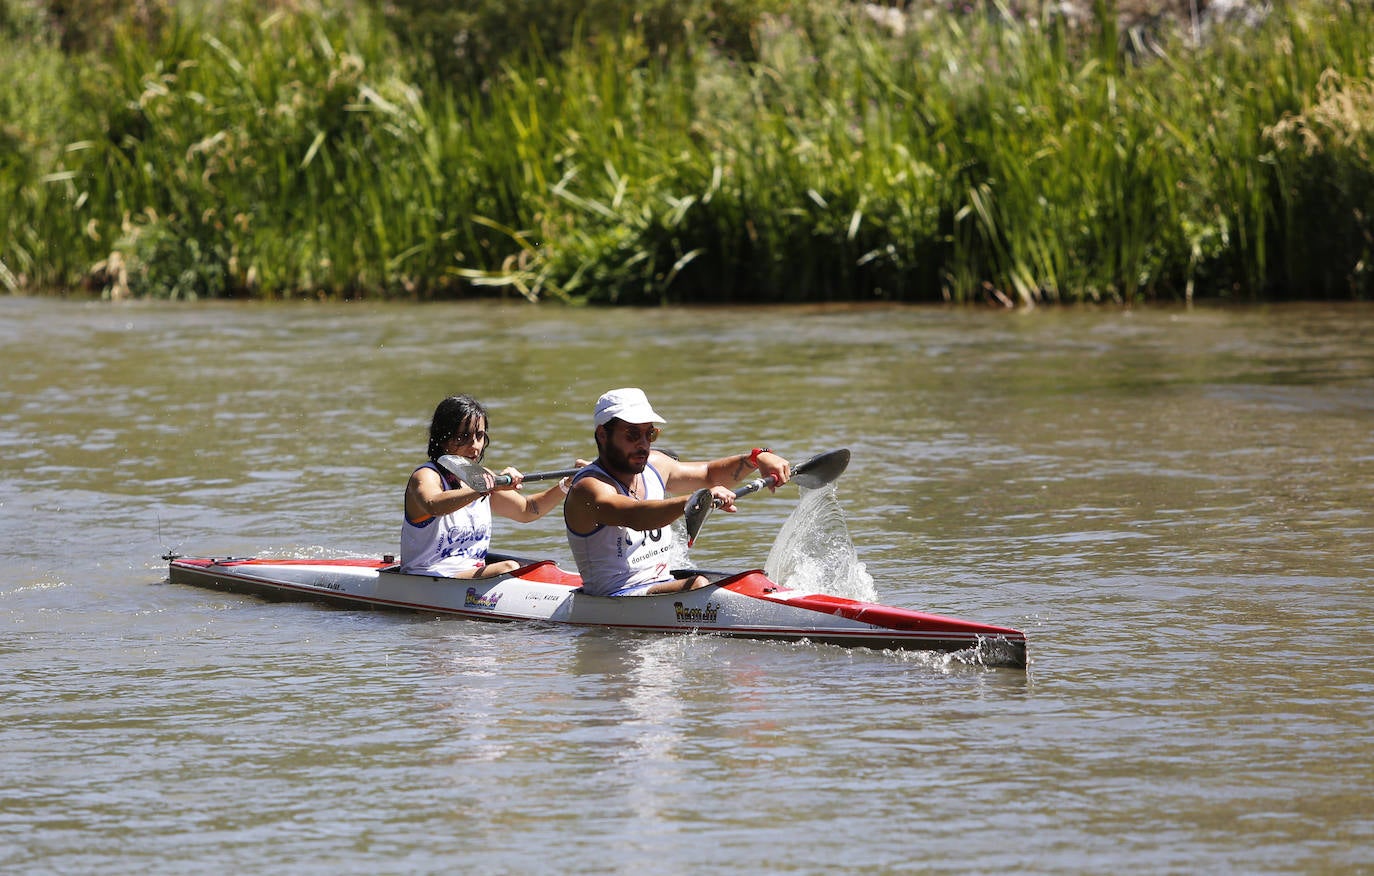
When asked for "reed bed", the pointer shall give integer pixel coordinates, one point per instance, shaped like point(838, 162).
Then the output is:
point(256, 150)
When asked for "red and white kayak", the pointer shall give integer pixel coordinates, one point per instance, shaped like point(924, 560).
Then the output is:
point(746, 605)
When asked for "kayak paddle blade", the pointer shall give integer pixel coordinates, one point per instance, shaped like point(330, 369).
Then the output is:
point(821, 469)
point(473, 476)
point(698, 506)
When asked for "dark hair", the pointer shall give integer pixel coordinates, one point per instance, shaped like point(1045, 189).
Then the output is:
point(603, 429)
point(457, 413)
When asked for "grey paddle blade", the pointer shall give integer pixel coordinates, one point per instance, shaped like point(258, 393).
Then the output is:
point(473, 476)
point(698, 507)
point(821, 469)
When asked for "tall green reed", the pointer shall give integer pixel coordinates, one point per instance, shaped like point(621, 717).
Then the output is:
point(295, 151)
point(283, 154)
point(37, 105)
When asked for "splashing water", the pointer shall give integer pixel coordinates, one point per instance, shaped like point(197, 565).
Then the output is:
point(677, 556)
point(813, 551)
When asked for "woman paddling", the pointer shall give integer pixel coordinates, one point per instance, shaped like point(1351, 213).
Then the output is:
point(447, 525)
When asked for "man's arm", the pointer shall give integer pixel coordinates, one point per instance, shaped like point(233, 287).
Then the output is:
point(686, 477)
point(593, 502)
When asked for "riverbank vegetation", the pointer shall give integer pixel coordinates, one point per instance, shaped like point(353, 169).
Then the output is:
point(701, 151)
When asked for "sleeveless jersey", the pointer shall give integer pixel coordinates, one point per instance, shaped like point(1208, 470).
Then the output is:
point(450, 543)
point(611, 558)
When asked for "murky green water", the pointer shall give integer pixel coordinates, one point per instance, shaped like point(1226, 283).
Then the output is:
point(1177, 506)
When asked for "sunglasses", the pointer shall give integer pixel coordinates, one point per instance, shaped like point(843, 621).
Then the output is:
point(634, 434)
point(469, 437)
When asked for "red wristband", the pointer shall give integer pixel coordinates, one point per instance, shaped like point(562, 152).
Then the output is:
point(754, 456)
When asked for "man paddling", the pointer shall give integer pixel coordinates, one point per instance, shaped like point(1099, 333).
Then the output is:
point(621, 508)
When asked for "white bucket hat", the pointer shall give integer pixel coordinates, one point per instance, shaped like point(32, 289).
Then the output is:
point(630, 405)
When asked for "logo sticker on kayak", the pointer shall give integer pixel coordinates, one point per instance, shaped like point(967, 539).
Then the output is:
point(473, 599)
point(706, 615)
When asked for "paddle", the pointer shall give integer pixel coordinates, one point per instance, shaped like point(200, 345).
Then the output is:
point(817, 471)
point(477, 478)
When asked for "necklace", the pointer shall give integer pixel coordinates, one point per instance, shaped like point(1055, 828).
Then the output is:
point(630, 488)
point(633, 488)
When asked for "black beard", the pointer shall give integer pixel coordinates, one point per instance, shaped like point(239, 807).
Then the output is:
point(618, 462)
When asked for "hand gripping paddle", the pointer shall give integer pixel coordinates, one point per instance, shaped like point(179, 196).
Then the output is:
point(819, 470)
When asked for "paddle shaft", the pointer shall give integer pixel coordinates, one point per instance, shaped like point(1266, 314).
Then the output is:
point(503, 480)
point(481, 480)
point(753, 486)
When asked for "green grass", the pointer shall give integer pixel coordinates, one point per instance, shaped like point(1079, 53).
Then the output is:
point(260, 151)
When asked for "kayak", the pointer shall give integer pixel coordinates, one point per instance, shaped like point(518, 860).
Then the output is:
point(744, 605)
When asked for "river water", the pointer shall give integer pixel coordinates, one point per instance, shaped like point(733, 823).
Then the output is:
point(1177, 506)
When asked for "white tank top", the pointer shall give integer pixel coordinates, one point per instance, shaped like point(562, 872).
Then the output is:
point(448, 544)
point(610, 558)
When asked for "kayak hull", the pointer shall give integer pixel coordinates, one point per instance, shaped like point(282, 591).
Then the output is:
point(746, 605)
